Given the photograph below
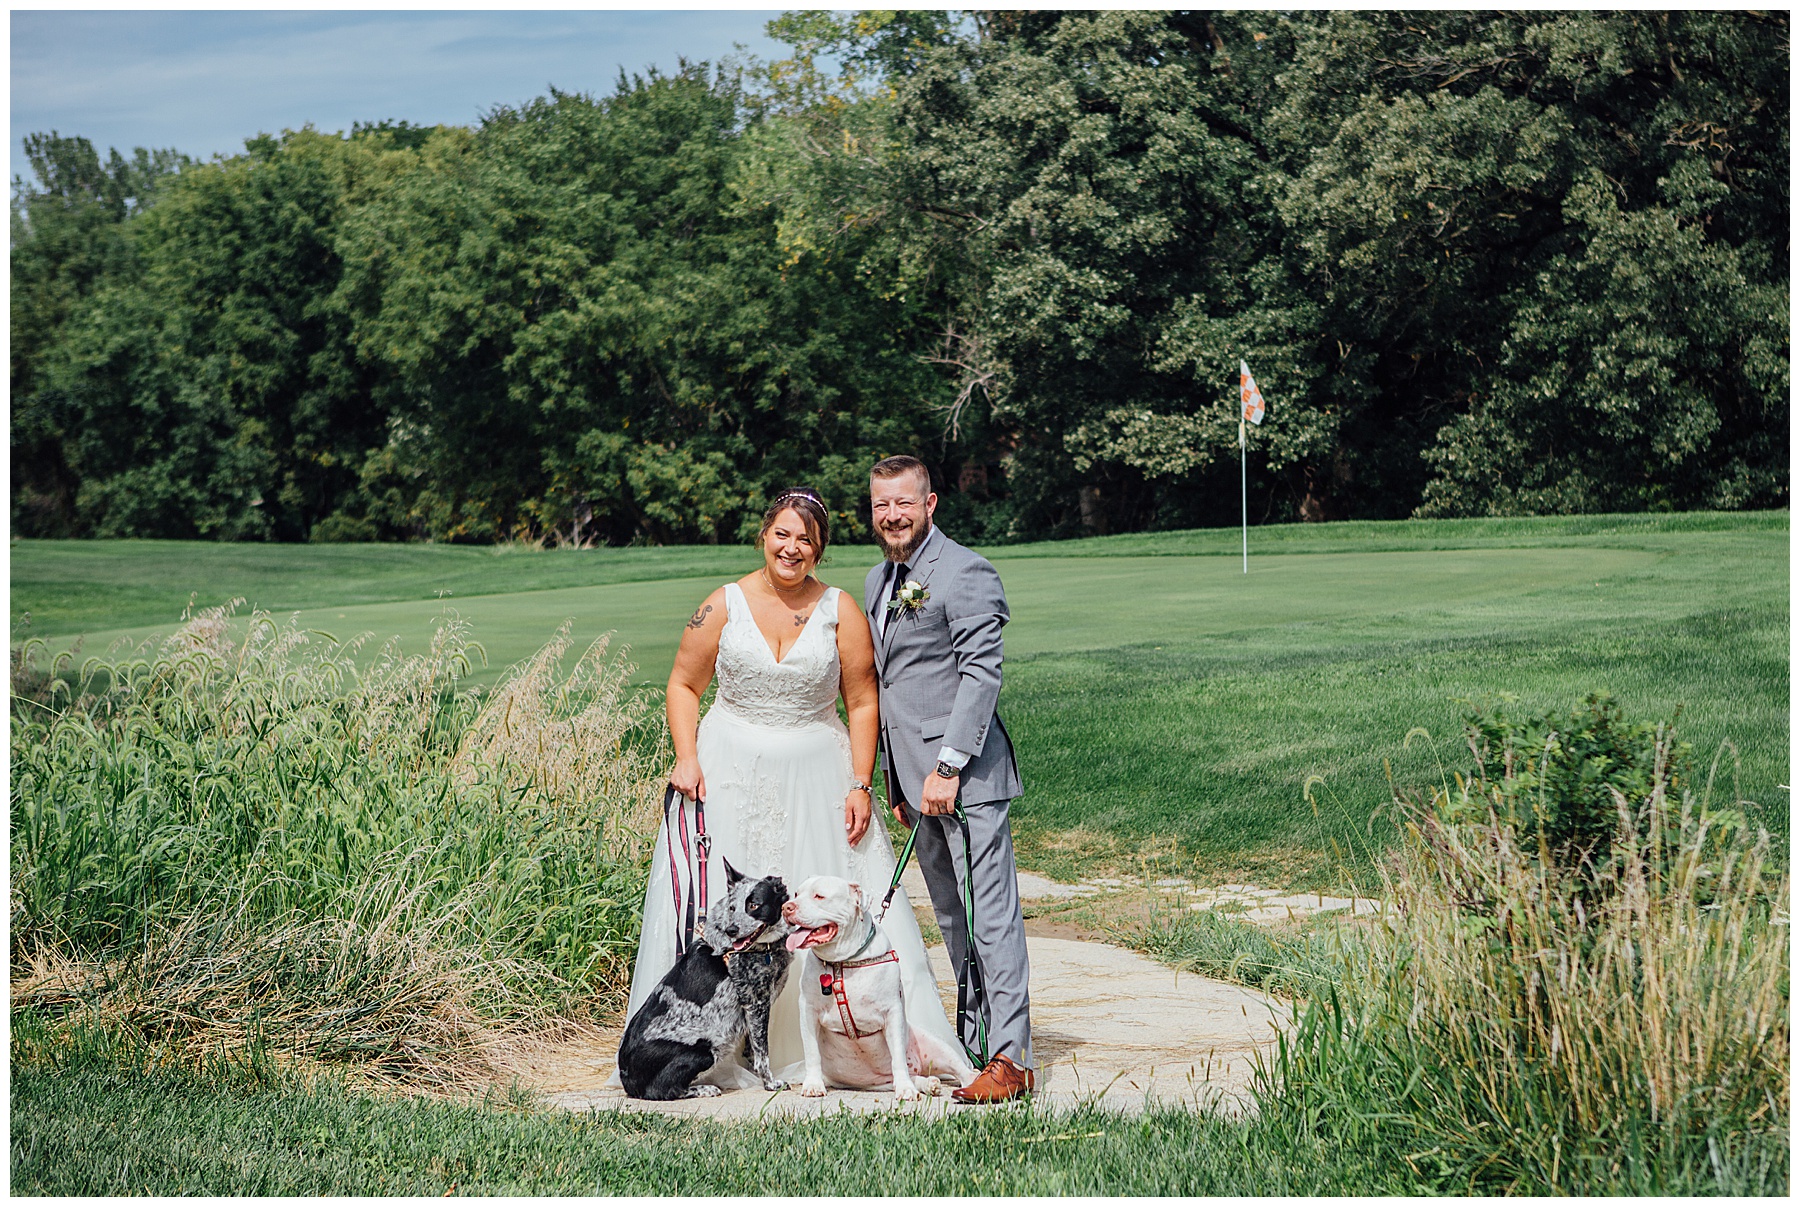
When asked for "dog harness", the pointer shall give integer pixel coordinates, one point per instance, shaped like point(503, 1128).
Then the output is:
point(831, 984)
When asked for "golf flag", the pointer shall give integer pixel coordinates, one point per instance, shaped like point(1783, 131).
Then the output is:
point(1252, 412)
point(1253, 399)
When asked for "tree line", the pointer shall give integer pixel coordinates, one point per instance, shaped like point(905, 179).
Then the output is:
point(1480, 264)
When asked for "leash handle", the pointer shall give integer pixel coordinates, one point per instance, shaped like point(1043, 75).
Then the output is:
point(671, 803)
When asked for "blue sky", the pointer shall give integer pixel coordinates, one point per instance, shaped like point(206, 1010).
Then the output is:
point(204, 81)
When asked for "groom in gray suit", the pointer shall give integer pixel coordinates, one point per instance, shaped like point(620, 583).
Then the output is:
point(936, 609)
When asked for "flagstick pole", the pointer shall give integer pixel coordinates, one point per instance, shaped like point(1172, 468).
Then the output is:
point(1244, 481)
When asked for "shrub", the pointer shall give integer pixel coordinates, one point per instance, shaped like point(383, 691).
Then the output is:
point(339, 528)
point(1562, 778)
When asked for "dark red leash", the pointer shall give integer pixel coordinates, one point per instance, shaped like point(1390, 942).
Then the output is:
point(675, 803)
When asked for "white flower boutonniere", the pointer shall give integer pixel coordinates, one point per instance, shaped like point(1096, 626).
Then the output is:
point(910, 597)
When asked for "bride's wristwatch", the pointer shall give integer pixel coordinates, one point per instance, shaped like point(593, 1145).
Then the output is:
point(859, 786)
point(949, 772)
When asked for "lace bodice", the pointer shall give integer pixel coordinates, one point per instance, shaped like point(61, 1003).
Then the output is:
point(801, 689)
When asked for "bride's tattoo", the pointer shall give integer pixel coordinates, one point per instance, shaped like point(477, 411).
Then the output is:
point(799, 621)
point(699, 617)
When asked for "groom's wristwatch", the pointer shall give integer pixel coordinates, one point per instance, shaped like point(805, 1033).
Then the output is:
point(949, 772)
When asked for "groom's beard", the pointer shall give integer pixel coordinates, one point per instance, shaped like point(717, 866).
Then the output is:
point(902, 552)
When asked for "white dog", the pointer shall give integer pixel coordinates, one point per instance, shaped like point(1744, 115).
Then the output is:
point(852, 1008)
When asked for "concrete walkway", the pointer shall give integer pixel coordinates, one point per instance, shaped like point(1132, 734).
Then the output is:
point(1109, 1026)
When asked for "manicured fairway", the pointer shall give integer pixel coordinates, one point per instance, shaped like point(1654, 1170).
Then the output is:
point(73, 587)
point(1154, 690)
point(1058, 606)
point(1210, 738)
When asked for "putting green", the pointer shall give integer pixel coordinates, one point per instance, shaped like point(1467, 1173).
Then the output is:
point(1057, 604)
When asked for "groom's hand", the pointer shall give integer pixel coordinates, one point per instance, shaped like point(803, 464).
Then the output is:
point(939, 796)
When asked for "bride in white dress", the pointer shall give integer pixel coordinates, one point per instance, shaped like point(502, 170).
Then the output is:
point(785, 783)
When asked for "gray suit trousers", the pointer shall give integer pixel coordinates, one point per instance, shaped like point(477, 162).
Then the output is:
point(999, 921)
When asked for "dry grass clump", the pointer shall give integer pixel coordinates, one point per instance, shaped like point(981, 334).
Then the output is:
point(574, 738)
point(1654, 987)
point(243, 837)
point(1583, 1015)
point(394, 998)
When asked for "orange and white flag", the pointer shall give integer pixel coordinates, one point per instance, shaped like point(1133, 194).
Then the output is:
point(1253, 399)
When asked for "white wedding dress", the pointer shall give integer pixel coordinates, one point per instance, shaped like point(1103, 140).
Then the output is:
point(775, 757)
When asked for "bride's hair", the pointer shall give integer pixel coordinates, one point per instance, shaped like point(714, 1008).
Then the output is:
point(809, 507)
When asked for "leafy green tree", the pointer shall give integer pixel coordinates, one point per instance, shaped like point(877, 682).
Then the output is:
point(1363, 206)
point(1646, 371)
point(1089, 181)
point(69, 238)
point(1484, 207)
point(1480, 263)
point(212, 390)
point(587, 328)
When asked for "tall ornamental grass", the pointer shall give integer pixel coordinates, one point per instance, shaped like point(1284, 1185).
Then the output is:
point(252, 834)
point(1564, 1001)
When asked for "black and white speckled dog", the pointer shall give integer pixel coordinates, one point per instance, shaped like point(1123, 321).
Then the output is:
point(717, 993)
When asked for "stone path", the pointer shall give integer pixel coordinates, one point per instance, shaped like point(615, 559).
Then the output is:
point(1240, 900)
point(1109, 1025)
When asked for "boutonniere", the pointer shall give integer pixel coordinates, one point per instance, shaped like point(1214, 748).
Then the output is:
point(910, 597)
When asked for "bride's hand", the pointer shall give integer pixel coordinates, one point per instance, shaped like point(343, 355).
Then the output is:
point(687, 780)
point(857, 808)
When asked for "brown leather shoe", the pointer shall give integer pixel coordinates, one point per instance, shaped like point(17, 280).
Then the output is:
point(1000, 1081)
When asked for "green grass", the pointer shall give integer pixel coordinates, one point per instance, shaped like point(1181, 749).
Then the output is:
point(1058, 605)
point(1300, 961)
point(1155, 692)
point(89, 1118)
point(370, 866)
point(1163, 703)
point(71, 587)
point(1208, 738)
point(105, 1131)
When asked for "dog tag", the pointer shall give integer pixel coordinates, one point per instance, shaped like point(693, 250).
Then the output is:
point(825, 984)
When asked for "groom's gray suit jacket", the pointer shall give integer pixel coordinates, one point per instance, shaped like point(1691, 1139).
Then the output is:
point(939, 669)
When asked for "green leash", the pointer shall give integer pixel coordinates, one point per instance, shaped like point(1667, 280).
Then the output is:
point(912, 835)
point(970, 987)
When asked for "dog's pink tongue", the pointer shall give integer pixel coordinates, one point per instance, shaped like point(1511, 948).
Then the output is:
point(797, 939)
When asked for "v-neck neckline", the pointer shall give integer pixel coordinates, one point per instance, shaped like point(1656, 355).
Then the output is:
point(780, 659)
